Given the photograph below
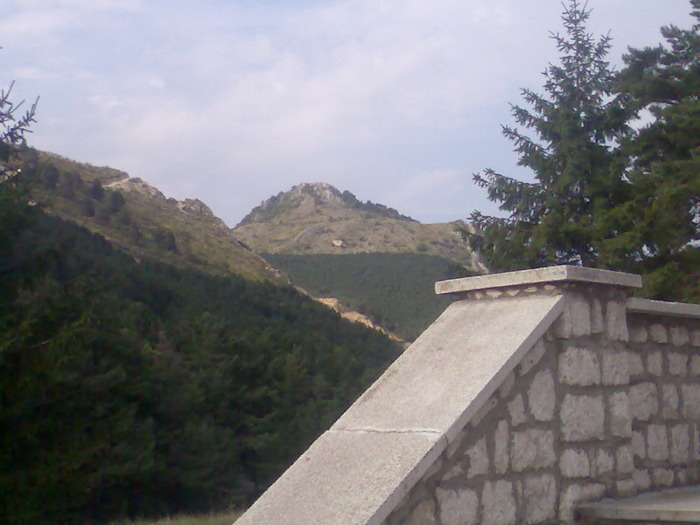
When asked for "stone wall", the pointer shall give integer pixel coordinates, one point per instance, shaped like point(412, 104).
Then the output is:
point(533, 397)
point(605, 405)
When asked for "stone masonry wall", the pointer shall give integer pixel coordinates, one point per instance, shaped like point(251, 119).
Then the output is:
point(586, 414)
point(664, 400)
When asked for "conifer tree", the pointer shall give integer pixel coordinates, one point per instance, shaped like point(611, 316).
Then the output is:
point(659, 224)
point(577, 172)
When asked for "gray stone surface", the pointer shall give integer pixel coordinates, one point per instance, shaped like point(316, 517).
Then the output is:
point(501, 456)
point(574, 463)
point(649, 306)
point(574, 494)
point(616, 368)
point(346, 478)
point(516, 409)
point(457, 507)
point(540, 497)
point(680, 444)
point(532, 448)
point(498, 503)
point(670, 506)
point(691, 401)
point(478, 459)
point(579, 366)
point(582, 417)
point(670, 401)
point(678, 364)
point(604, 462)
point(658, 334)
point(616, 321)
point(644, 402)
point(657, 442)
point(444, 378)
point(551, 274)
point(542, 396)
point(620, 415)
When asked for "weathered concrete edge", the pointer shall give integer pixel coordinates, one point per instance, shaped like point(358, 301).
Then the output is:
point(539, 276)
point(649, 306)
point(483, 396)
point(407, 483)
point(472, 409)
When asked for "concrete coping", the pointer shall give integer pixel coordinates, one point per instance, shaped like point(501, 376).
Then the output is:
point(552, 274)
point(649, 306)
point(668, 506)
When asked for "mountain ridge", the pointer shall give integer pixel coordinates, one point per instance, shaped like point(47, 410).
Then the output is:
point(319, 218)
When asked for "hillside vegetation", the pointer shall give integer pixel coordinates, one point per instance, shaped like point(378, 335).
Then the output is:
point(137, 217)
point(395, 290)
point(142, 389)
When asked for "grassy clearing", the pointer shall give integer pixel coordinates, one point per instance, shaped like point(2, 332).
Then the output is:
point(223, 518)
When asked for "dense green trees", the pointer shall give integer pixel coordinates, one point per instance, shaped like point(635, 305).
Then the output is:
point(606, 192)
point(658, 224)
point(137, 388)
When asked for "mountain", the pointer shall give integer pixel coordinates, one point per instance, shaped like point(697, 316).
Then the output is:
point(368, 257)
point(138, 218)
point(316, 218)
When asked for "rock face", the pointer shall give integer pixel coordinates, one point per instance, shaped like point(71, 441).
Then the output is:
point(319, 218)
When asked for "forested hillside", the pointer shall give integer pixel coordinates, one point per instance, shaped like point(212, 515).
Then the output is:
point(395, 290)
point(137, 217)
point(137, 388)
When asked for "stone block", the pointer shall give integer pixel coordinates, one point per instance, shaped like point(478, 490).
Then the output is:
point(644, 402)
point(691, 401)
point(639, 447)
point(616, 368)
point(634, 363)
point(582, 417)
point(642, 479)
point(542, 397)
point(662, 477)
point(657, 443)
point(658, 333)
point(626, 488)
point(624, 460)
point(532, 357)
point(639, 334)
point(695, 365)
point(695, 337)
point(457, 507)
point(498, 503)
point(604, 462)
point(679, 335)
point(597, 319)
point(670, 401)
point(501, 458)
point(454, 471)
point(478, 459)
point(620, 414)
point(516, 409)
point(680, 444)
point(678, 364)
point(424, 513)
point(540, 497)
point(579, 366)
point(532, 448)
point(575, 494)
point(580, 313)
point(655, 364)
point(616, 321)
point(573, 463)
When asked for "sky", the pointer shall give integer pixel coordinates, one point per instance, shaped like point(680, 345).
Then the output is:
point(233, 101)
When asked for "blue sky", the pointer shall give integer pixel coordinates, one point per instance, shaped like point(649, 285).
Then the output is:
point(397, 101)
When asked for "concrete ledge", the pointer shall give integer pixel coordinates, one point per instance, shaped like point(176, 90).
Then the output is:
point(668, 506)
point(551, 274)
point(358, 471)
point(649, 306)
